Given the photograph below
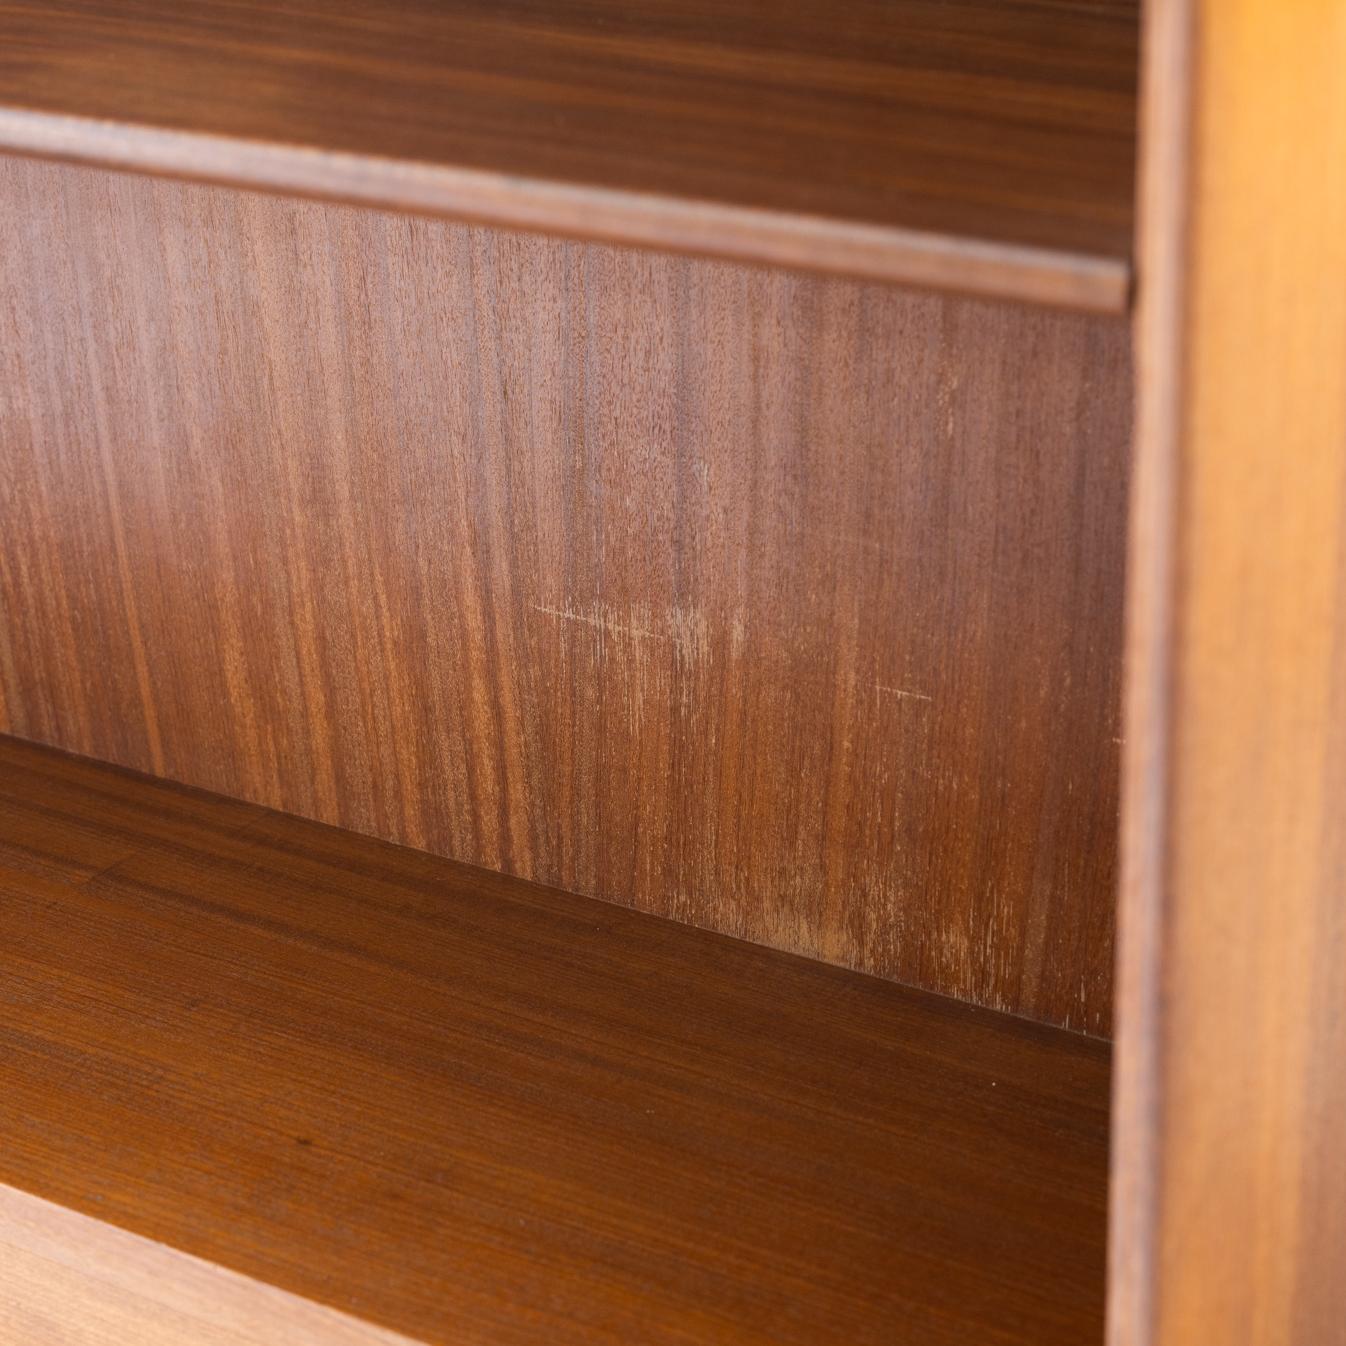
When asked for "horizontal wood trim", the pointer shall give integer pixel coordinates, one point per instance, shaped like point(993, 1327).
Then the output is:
point(983, 145)
point(738, 233)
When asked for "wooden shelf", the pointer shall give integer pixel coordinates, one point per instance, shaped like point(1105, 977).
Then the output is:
point(984, 145)
point(469, 1109)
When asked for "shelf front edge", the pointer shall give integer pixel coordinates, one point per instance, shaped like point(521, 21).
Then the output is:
point(735, 233)
point(63, 1267)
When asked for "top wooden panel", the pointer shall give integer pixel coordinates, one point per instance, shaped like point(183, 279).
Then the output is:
point(985, 145)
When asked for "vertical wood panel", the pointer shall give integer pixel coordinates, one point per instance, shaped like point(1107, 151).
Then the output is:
point(782, 605)
point(1229, 1196)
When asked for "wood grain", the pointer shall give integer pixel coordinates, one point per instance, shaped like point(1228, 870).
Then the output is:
point(469, 1109)
point(784, 606)
point(1229, 1193)
point(984, 145)
point(67, 1279)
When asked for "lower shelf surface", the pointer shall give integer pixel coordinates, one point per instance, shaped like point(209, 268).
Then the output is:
point(466, 1109)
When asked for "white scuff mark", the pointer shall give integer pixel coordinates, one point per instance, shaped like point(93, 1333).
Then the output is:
point(691, 637)
point(601, 620)
point(902, 692)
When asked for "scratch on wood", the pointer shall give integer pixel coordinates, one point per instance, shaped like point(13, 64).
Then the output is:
point(691, 638)
point(902, 692)
point(600, 620)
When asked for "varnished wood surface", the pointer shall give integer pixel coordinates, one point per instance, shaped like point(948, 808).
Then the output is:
point(985, 145)
point(785, 606)
point(1229, 1196)
point(471, 1110)
point(68, 1279)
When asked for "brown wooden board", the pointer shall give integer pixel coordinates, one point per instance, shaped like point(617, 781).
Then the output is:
point(1229, 1197)
point(473, 1110)
point(985, 145)
point(781, 605)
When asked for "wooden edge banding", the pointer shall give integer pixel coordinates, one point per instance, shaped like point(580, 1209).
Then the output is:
point(742, 234)
point(67, 1278)
point(1161, 248)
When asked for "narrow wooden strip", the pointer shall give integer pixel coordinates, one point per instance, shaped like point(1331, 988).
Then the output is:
point(738, 233)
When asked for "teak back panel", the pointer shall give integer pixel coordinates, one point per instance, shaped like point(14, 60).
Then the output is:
point(782, 605)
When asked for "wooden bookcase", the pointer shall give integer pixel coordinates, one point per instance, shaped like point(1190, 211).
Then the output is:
point(580, 600)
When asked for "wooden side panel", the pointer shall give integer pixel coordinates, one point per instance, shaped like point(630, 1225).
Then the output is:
point(781, 605)
point(1229, 1199)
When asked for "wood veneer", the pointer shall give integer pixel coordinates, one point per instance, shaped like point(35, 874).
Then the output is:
point(984, 144)
point(1229, 1195)
point(68, 1279)
point(782, 605)
point(470, 1109)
